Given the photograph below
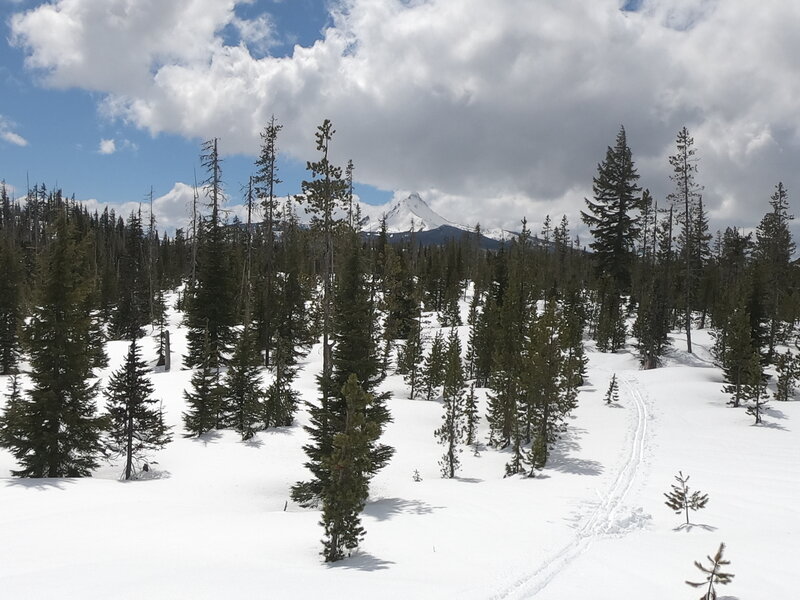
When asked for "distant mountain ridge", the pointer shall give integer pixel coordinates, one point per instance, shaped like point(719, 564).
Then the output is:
point(412, 216)
point(404, 215)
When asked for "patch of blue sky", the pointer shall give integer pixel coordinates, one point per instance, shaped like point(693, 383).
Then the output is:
point(632, 5)
point(64, 129)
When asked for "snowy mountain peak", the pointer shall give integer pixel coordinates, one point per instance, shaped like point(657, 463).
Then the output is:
point(404, 215)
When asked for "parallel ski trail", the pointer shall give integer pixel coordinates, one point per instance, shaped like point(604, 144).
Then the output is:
point(603, 520)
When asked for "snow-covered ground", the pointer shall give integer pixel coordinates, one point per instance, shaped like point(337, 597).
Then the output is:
point(218, 523)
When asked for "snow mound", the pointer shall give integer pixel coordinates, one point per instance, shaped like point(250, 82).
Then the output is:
point(630, 520)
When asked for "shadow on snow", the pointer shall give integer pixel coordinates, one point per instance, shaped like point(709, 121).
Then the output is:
point(361, 561)
point(560, 459)
point(386, 508)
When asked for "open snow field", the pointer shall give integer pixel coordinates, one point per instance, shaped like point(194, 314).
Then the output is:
point(216, 523)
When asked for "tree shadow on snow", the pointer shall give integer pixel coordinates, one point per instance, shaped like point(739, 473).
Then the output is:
point(253, 442)
point(386, 508)
point(209, 437)
point(560, 459)
point(361, 561)
point(688, 528)
point(770, 425)
point(775, 413)
point(41, 484)
point(680, 357)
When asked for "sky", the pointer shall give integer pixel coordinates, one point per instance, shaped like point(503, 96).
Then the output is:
point(492, 111)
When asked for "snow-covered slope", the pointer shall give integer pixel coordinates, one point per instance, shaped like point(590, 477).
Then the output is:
point(404, 215)
point(593, 525)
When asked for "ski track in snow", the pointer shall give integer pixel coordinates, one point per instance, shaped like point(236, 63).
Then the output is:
point(608, 518)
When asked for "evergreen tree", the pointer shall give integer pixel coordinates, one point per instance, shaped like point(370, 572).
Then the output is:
point(132, 311)
point(702, 260)
point(266, 179)
point(472, 417)
point(451, 433)
point(714, 574)
point(135, 426)
point(549, 395)
point(613, 221)
point(434, 369)
point(504, 403)
point(282, 399)
point(242, 392)
point(788, 367)
point(204, 403)
point(324, 194)
point(354, 352)
point(773, 253)
point(402, 306)
point(162, 336)
point(571, 339)
point(409, 362)
point(350, 464)
point(652, 324)
point(755, 390)
point(681, 501)
point(685, 199)
point(55, 431)
point(11, 309)
point(210, 315)
point(483, 341)
point(739, 359)
point(612, 393)
point(472, 320)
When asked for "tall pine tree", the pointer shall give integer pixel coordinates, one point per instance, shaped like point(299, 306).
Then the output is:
point(613, 219)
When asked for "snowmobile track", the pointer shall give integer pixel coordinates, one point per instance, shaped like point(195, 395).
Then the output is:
point(606, 518)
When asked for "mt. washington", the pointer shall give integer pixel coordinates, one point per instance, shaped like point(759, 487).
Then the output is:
point(404, 215)
point(413, 214)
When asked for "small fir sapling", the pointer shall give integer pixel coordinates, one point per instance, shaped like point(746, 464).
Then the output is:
point(681, 500)
point(755, 392)
point(714, 574)
point(612, 394)
point(757, 407)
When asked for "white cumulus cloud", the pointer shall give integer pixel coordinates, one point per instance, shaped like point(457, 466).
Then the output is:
point(8, 134)
point(107, 147)
point(495, 109)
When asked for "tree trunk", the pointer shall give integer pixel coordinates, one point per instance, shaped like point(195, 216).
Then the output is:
point(129, 445)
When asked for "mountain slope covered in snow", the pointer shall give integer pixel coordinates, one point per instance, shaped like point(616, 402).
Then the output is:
point(406, 214)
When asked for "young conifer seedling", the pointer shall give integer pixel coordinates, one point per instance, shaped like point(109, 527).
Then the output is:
point(714, 574)
point(681, 500)
point(612, 394)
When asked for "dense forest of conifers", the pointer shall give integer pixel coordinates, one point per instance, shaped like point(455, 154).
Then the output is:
point(256, 295)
